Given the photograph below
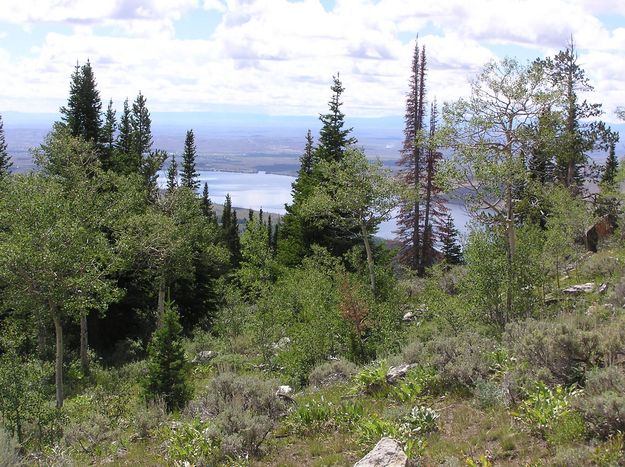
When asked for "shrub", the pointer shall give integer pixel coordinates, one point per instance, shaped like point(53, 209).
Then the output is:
point(557, 352)
point(600, 265)
point(94, 436)
point(460, 360)
point(166, 363)
point(545, 407)
point(603, 406)
point(192, 442)
point(329, 372)
point(312, 416)
point(488, 393)
point(242, 409)
point(372, 379)
point(417, 382)
point(8, 449)
point(149, 417)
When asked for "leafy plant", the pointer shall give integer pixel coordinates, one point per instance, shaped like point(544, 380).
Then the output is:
point(372, 380)
point(191, 442)
point(417, 383)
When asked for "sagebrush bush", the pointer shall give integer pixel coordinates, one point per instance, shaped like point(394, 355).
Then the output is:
point(242, 409)
point(460, 360)
point(149, 417)
point(329, 372)
point(601, 265)
point(558, 352)
point(488, 393)
point(8, 449)
point(603, 406)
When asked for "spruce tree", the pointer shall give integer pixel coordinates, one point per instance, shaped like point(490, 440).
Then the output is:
point(611, 167)
point(5, 159)
point(172, 175)
point(269, 231)
point(140, 124)
point(166, 376)
point(124, 137)
point(333, 138)
point(82, 114)
point(188, 174)
point(108, 136)
point(234, 240)
point(207, 206)
point(451, 249)
point(411, 173)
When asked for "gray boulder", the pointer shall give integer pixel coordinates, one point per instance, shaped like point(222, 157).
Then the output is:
point(578, 289)
point(387, 453)
point(398, 372)
point(205, 356)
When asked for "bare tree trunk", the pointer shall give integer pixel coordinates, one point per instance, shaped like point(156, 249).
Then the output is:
point(58, 364)
point(84, 345)
point(365, 239)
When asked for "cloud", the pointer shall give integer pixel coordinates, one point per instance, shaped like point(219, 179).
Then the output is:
point(278, 56)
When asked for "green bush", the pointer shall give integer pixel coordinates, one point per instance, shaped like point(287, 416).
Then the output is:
point(192, 442)
point(8, 449)
point(167, 366)
point(558, 352)
point(149, 417)
point(242, 410)
point(600, 265)
point(546, 407)
point(418, 382)
point(372, 379)
point(488, 393)
point(329, 372)
point(603, 406)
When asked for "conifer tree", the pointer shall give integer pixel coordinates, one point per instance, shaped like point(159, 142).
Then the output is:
point(451, 249)
point(260, 216)
point(140, 124)
point(250, 215)
point(108, 136)
point(5, 159)
point(172, 175)
point(82, 115)
point(611, 166)
point(333, 138)
point(269, 231)
point(166, 363)
point(124, 137)
point(188, 174)
point(234, 240)
point(411, 174)
point(207, 206)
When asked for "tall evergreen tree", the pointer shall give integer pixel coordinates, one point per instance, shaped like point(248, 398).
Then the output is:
point(124, 137)
point(411, 174)
point(451, 249)
point(5, 159)
point(269, 231)
point(172, 175)
point(83, 113)
point(333, 138)
point(108, 136)
point(141, 131)
point(611, 166)
point(230, 231)
point(207, 206)
point(188, 174)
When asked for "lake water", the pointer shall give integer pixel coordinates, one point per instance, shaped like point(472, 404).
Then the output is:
point(270, 192)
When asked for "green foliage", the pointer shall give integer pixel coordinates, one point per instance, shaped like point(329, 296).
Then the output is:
point(167, 366)
point(312, 417)
point(372, 379)
point(603, 404)
point(418, 382)
point(545, 407)
point(188, 173)
point(256, 269)
point(332, 371)
point(191, 442)
point(8, 449)
point(5, 159)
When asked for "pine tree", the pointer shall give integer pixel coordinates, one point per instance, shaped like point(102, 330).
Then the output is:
point(82, 115)
point(166, 363)
point(276, 235)
point(172, 175)
point(451, 249)
point(226, 215)
point(411, 174)
point(108, 136)
point(124, 137)
point(140, 123)
point(333, 138)
point(5, 159)
point(188, 174)
point(207, 206)
point(611, 167)
point(269, 231)
point(434, 209)
point(260, 216)
point(234, 240)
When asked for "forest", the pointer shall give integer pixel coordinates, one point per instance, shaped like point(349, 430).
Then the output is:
point(140, 325)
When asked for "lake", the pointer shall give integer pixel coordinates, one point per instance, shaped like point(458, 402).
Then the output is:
point(270, 192)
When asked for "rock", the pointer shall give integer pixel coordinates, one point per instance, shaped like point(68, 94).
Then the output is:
point(204, 356)
point(408, 317)
point(284, 390)
point(387, 453)
point(588, 287)
point(398, 372)
point(602, 288)
point(282, 343)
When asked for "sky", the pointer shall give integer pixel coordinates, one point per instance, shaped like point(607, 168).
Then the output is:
point(277, 57)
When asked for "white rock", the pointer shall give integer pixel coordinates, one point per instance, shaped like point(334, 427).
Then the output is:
point(284, 391)
point(283, 342)
point(409, 316)
point(387, 453)
point(205, 356)
point(602, 288)
point(588, 287)
point(398, 372)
